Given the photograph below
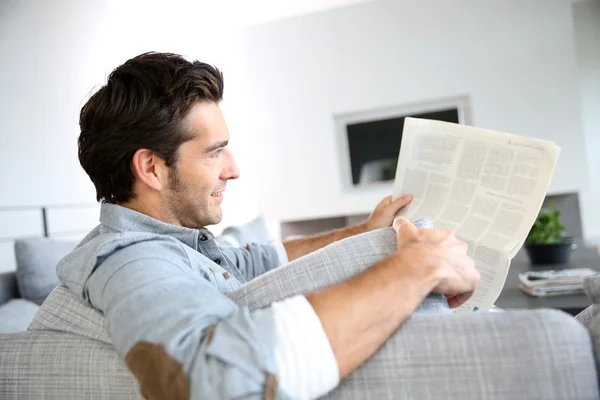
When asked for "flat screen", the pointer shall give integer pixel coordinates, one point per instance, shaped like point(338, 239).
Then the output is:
point(374, 146)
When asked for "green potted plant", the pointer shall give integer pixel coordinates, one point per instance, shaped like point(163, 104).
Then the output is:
point(546, 242)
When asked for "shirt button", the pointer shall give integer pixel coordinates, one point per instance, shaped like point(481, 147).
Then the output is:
point(203, 238)
point(218, 261)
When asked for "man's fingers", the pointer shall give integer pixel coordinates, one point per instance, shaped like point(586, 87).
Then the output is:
point(398, 222)
point(465, 267)
point(461, 247)
point(458, 299)
point(401, 202)
point(442, 237)
point(437, 236)
point(405, 230)
point(457, 246)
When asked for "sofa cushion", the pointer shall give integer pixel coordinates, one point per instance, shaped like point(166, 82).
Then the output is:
point(590, 317)
point(587, 315)
point(8, 286)
point(591, 287)
point(57, 365)
point(254, 231)
point(36, 266)
point(16, 314)
point(64, 312)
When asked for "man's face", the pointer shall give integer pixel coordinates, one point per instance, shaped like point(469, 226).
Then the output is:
point(205, 164)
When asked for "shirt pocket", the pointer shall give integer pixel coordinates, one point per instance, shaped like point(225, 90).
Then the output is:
point(223, 280)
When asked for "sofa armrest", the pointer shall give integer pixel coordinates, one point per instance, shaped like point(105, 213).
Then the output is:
point(58, 365)
point(534, 354)
point(8, 286)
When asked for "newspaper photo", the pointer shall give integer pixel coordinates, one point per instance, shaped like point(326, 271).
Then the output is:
point(486, 186)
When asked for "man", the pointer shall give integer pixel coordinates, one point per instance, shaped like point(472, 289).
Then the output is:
point(154, 143)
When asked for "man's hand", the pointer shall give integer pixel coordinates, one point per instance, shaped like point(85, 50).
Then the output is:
point(385, 212)
point(442, 251)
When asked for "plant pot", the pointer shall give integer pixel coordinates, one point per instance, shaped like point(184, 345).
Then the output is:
point(550, 254)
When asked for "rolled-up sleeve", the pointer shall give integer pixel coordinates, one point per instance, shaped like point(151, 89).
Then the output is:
point(255, 259)
point(178, 334)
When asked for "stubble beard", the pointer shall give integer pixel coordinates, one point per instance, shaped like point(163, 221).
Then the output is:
point(184, 209)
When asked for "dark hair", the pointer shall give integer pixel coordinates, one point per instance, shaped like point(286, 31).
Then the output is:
point(142, 105)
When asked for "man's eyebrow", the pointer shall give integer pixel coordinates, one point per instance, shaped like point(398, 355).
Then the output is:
point(217, 146)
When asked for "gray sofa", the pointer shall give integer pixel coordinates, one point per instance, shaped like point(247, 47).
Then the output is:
point(540, 354)
point(24, 290)
point(15, 312)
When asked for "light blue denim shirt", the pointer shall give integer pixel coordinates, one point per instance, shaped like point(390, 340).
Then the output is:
point(167, 285)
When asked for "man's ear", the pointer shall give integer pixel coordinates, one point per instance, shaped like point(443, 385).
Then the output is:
point(149, 169)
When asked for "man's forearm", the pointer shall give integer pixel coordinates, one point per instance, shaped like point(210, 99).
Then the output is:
point(381, 217)
point(297, 248)
point(358, 315)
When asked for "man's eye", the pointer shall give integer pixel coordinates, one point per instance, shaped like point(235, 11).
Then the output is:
point(217, 153)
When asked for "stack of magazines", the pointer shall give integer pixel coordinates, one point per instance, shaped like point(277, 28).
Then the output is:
point(554, 282)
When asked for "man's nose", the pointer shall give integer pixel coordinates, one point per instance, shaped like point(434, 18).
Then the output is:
point(231, 171)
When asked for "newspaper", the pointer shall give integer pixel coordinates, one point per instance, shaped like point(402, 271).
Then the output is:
point(485, 185)
point(554, 282)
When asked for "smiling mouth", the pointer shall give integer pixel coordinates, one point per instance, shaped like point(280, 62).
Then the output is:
point(218, 194)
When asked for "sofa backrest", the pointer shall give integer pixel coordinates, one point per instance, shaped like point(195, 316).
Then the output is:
point(64, 312)
point(36, 265)
point(58, 365)
point(8, 287)
point(65, 353)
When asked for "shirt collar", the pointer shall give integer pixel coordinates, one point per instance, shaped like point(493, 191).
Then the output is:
point(123, 219)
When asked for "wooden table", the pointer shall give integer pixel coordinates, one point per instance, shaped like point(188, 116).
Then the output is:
point(513, 297)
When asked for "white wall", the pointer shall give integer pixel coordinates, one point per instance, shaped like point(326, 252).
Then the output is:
point(586, 17)
point(515, 59)
point(54, 54)
point(41, 91)
point(45, 74)
point(587, 33)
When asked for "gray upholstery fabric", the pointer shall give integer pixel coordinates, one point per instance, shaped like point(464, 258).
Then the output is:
point(65, 354)
point(541, 354)
point(63, 311)
point(8, 287)
point(591, 287)
point(511, 355)
point(325, 267)
point(36, 266)
point(53, 365)
point(16, 314)
point(254, 231)
point(585, 317)
point(590, 317)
